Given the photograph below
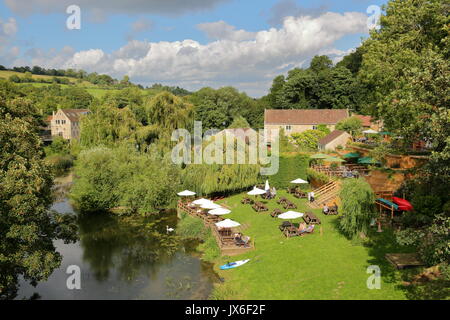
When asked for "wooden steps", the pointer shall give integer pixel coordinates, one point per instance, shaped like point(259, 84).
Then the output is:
point(325, 194)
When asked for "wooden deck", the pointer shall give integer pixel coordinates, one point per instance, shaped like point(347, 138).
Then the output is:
point(404, 260)
point(226, 244)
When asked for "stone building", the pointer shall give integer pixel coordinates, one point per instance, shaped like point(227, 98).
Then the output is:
point(66, 123)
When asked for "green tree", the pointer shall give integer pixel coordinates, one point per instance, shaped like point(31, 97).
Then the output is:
point(320, 63)
point(239, 122)
point(27, 228)
point(352, 125)
point(405, 66)
point(308, 140)
point(357, 206)
point(218, 108)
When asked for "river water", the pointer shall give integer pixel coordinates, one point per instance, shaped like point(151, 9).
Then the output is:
point(124, 258)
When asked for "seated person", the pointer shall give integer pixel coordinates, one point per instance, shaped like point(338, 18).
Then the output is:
point(305, 229)
point(326, 209)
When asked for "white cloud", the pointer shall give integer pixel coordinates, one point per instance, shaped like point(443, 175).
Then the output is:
point(246, 60)
point(101, 8)
point(220, 30)
point(8, 30)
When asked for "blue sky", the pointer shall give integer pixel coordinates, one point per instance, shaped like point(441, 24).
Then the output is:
point(188, 43)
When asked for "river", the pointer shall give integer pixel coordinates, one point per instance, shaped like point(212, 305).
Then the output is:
point(124, 258)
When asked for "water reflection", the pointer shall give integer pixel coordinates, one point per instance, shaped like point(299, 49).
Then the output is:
point(126, 258)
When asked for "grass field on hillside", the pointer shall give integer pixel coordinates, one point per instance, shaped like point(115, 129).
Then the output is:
point(322, 265)
point(6, 74)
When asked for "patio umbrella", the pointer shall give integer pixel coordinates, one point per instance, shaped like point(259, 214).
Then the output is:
point(319, 156)
point(228, 223)
point(299, 181)
point(290, 215)
point(186, 193)
point(201, 201)
point(210, 205)
point(368, 160)
point(219, 211)
point(256, 192)
point(370, 131)
point(267, 187)
point(351, 155)
point(333, 159)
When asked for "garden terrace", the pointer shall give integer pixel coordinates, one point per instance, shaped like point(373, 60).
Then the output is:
point(341, 171)
point(225, 240)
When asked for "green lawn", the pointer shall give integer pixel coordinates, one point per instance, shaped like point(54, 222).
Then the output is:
point(318, 266)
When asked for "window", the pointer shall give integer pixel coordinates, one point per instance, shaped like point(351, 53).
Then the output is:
point(60, 134)
point(288, 128)
point(57, 121)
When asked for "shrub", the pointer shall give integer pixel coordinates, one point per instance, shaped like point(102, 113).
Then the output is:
point(317, 176)
point(292, 166)
point(308, 140)
point(60, 163)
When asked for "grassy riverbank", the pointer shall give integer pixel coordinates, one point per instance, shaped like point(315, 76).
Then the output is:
point(324, 265)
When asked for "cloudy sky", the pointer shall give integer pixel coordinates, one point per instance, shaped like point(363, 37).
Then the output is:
point(190, 43)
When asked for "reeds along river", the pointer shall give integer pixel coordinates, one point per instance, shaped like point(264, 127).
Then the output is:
point(124, 258)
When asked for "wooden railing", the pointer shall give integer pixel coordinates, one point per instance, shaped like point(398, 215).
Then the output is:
point(226, 244)
point(340, 172)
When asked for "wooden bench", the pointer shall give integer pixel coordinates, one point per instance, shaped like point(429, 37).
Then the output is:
point(404, 260)
point(311, 218)
point(275, 213)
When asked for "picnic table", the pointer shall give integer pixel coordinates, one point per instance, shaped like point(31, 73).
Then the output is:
point(284, 225)
point(311, 218)
point(290, 231)
point(333, 210)
point(289, 205)
point(291, 189)
point(275, 213)
point(282, 200)
point(246, 201)
point(300, 195)
point(258, 207)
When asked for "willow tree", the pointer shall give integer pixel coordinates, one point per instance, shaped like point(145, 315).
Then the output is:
point(108, 125)
point(167, 112)
point(220, 178)
point(357, 206)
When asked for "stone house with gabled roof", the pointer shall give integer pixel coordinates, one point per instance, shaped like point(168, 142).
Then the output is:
point(333, 140)
point(66, 123)
point(299, 120)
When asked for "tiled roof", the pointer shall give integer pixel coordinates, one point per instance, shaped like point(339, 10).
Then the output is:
point(366, 120)
point(333, 135)
point(74, 114)
point(305, 116)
